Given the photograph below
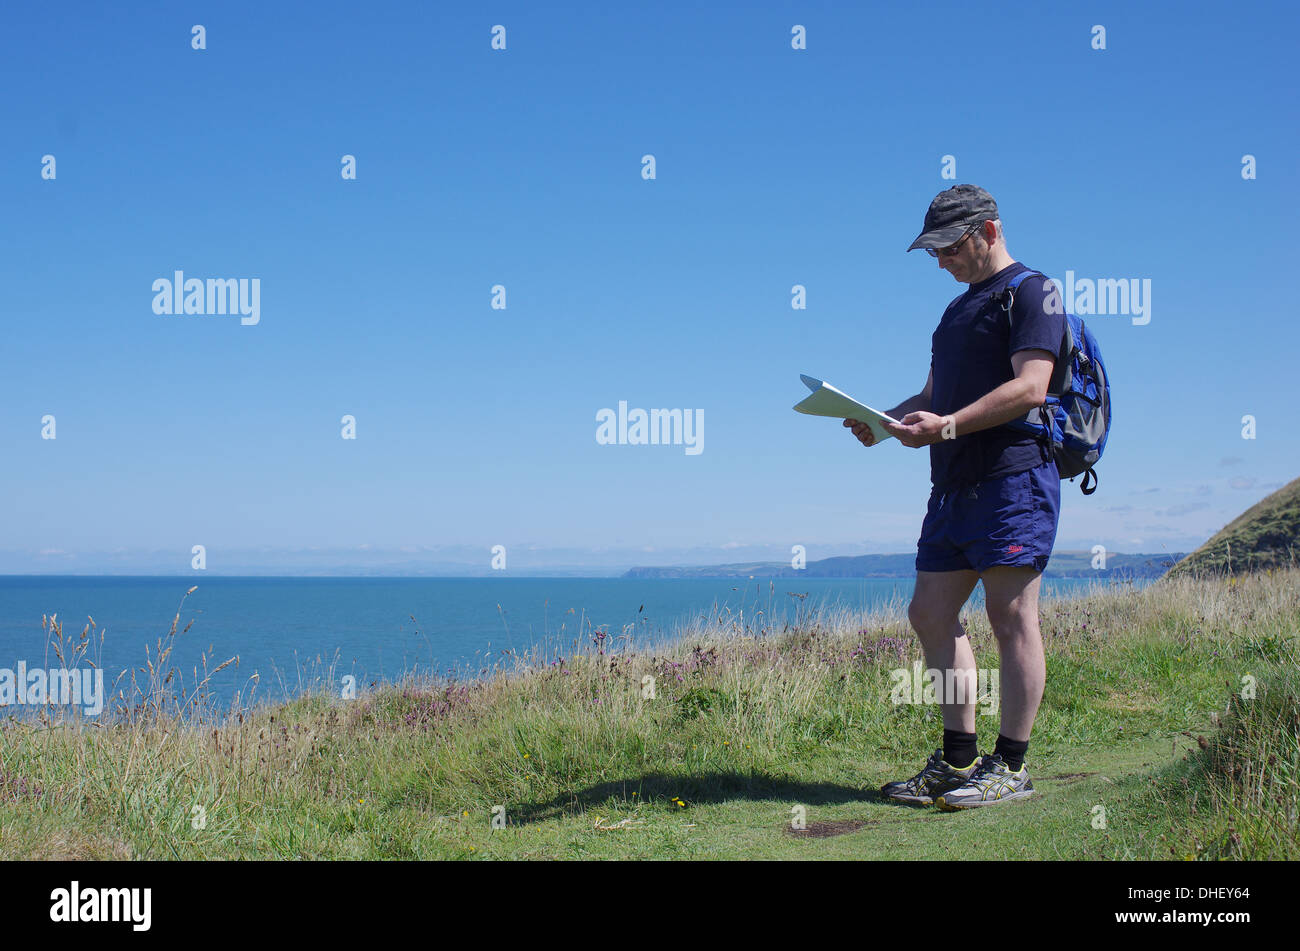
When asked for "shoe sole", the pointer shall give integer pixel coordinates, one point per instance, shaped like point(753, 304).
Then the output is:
point(946, 806)
point(909, 800)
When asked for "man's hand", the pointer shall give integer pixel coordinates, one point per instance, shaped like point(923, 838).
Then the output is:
point(919, 429)
point(862, 431)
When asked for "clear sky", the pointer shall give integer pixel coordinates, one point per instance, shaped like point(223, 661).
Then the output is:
point(522, 168)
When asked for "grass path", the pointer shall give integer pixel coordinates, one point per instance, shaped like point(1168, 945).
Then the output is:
point(846, 819)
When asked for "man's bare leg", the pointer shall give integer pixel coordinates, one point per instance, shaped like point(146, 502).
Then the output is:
point(934, 612)
point(1011, 599)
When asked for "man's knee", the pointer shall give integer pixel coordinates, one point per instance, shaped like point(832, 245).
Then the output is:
point(929, 622)
point(1011, 601)
point(923, 617)
point(1013, 619)
point(1011, 626)
point(937, 601)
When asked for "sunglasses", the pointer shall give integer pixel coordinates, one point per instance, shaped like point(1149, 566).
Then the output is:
point(954, 248)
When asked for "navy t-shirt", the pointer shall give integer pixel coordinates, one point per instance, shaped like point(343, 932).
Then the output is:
point(971, 356)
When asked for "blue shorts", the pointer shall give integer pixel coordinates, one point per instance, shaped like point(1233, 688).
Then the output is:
point(1010, 520)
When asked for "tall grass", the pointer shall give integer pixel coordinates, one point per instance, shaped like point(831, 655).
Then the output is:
point(735, 706)
point(1240, 796)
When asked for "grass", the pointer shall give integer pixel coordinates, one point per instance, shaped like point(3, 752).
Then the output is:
point(752, 745)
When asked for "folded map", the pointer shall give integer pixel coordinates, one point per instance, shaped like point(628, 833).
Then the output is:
point(826, 400)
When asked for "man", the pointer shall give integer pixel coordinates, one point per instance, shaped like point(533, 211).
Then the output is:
point(995, 500)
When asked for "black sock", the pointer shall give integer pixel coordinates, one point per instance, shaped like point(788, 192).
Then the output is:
point(959, 748)
point(1012, 752)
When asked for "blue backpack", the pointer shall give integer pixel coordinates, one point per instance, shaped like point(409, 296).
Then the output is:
point(1075, 417)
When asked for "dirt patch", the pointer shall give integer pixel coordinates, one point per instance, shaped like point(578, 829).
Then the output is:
point(64, 846)
point(823, 830)
point(1139, 701)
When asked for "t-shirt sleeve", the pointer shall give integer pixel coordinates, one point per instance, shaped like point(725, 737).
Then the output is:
point(1039, 318)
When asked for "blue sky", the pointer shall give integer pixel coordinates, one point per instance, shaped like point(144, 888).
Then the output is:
point(522, 167)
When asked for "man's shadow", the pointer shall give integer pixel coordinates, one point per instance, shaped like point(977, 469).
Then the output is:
point(693, 790)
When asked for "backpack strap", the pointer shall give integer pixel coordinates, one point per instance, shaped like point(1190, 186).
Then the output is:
point(1015, 281)
point(1064, 355)
point(1089, 472)
point(1008, 295)
point(1007, 299)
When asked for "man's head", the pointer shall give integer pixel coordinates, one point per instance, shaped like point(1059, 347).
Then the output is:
point(963, 231)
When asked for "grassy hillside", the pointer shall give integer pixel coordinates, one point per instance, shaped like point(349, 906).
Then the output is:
point(1266, 535)
point(1169, 729)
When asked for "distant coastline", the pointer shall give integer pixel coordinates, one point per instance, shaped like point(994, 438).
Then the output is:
point(1064, 564)
point(894, 566)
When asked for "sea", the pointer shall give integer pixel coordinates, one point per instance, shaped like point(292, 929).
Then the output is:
point(291, 635)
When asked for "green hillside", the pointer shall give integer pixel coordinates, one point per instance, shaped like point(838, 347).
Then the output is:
point(1266, 535)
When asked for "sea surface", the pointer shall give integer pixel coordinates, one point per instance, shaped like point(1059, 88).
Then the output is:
point(294, 633)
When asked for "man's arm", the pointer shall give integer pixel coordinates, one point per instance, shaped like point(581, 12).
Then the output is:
point(921, 401)
point(1011, 400)
point(1014, 398)
point(913, 404)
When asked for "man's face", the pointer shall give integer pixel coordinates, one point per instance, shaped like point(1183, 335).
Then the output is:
point(971, 257)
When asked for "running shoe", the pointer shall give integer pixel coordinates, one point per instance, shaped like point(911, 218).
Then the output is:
point(992, 782)
point(938, 777)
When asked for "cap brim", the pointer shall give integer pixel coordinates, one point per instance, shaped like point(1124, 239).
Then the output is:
point(940, 237)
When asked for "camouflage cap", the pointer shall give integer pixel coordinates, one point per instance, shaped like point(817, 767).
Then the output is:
point(952, 213)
